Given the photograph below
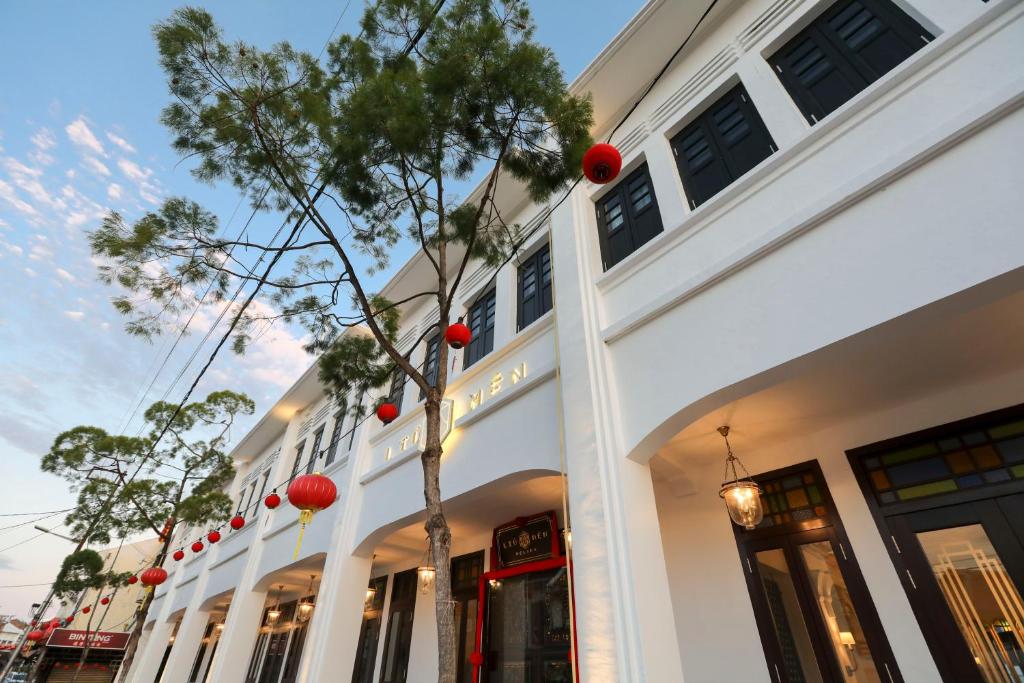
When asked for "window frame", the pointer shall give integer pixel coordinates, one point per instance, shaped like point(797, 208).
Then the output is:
point(337, 431)
point(431, 356)
point(634, 220)
point(543, 296)
point(297, 463)
point(318, 438)
point(483, 335)
point(396, 391)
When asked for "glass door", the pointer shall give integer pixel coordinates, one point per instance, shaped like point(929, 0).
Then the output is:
point(964, 566)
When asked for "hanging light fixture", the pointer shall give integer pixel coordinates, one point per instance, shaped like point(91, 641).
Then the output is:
point(371, 593)
point(274, 614)
point(305, 609)
point(742, 496)
point(426, 571)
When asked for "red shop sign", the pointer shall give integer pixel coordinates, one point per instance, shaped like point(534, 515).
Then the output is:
point(98, 640)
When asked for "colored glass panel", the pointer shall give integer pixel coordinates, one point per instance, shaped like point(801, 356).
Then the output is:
point(969, 481)
point(808, 478)
point(791, 482)
point(1012, 450)
point(996, 476)
point(959, 462)
point(908, 454)
point(950, 444)
point(814, 494)
point(1011, 429)
point(936, 487)
point(975, 438)
point(1018, 471)
point(918, 472)
point(880, 481)
point(986, 457)
point(797, 498)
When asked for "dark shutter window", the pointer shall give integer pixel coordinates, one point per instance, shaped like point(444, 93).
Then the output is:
point(850, 46)
point(336, 432)
point(298, 460)
point(398, 634)
point(430, 362)
point(722, 144)
point(481, 324)
point(535, 287)
point(627, 217)
point(397, 389)
point(369, 633)
point(314, 453)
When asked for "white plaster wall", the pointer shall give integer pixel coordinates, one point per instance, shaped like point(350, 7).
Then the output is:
point(718, 636)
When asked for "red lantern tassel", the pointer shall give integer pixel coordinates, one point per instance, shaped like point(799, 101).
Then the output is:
point(305, 517)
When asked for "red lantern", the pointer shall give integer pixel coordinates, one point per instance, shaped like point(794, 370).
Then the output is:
point(237, 522)
point(602, 163)
point(310, 493)
point(213, 536)
point(178, 555)
point(132, 580)
point(86, 609)
point(458, 335)
point(197, 547)
point(154, 576)
point(105, 601)
point(387, 412)
point(272, 501)
point(476, 659)
point(35, 636)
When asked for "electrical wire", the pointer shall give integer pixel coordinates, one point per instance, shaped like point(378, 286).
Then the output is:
point(33, 521)
point(30, 538)
point(41, 512)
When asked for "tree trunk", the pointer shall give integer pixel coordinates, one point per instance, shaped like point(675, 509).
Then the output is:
point(440, 546)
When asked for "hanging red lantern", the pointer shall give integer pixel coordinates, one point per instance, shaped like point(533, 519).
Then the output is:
point(273, 500)
point(237, 522)
point(387, 412)
point(132, 580)
point(476, 659)
point(197, 547)
point(213, 536)
point(154, 576)
point(86, 609)
point(35, 636)
point(602, 163)
point(310, 493)
point(458, 335)
point(105, 601)
point(178, 555)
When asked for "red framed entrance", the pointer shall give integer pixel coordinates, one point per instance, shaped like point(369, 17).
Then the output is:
point(554, 560)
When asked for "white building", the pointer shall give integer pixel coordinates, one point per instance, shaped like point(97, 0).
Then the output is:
point(817, 240)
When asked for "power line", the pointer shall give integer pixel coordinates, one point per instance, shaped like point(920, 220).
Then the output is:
point(28, 585)
point(30, 538)
point(42, 512)
point(33, 521)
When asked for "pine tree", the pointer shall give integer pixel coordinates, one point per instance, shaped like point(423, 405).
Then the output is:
point(358, 149)
point(135, 484)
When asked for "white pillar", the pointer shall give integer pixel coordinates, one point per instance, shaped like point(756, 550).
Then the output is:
point(237, 640)
point(775, 106)
point(186, 646)
point(624, 619)
point(150, 653)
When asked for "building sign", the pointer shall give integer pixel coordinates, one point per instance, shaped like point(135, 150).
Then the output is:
point(98, 640)
point(527, 539)
point(495, 384)
point(415, 435)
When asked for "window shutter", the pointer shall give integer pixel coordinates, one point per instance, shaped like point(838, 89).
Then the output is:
point(723, 143)
point(430, 362)
point(534, 287)
point(851, 45)
point(481, 323)
point(627, 217)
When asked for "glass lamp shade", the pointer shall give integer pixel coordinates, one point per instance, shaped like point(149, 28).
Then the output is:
point(426, 574)
point(743, 501)
point(220, 626)
point(371, 593)
point(272, 616)
point(305, 610)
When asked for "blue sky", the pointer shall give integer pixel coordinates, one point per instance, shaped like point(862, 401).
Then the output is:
point(79, 136)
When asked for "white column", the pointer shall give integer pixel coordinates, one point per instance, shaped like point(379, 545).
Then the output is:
point(773, 103)
point(330, 650)
point(624, 620)
point(150, 653)
point(241, 627)
point(186, 646)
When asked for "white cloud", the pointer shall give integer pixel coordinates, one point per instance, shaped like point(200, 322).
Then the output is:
point(13, 248)
point(74, 315)
point(96, 166)
point(79, 133)
point(9, 195)
point(27, 179)
point(134, 171)
point(120, 142)
point(114, 191)
point(29, 272)
point(38, 252)
point(43, 139)
point(65, 275)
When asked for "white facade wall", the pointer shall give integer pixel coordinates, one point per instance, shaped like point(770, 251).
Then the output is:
point(906, 196)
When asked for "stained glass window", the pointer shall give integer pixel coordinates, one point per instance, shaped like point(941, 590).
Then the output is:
point(951, 462)
point(794, 497)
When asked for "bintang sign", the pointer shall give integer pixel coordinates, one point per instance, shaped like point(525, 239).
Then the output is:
point(98, 640)
point(526, 540)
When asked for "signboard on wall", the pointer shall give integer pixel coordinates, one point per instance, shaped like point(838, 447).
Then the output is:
point(98, 640)
point(526, 539)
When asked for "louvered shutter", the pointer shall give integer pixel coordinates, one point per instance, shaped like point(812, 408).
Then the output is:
point(534, 287)
point(851, 45)
point(628, 217)
point(723, 143)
